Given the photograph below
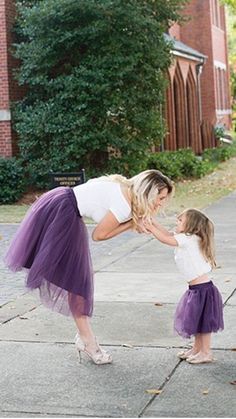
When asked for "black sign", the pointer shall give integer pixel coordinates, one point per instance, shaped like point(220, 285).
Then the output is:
point(67, 179)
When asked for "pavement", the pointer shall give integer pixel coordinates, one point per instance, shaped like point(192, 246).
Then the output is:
point(137, 287)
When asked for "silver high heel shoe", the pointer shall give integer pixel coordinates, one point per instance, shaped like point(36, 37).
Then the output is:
point(99, 356)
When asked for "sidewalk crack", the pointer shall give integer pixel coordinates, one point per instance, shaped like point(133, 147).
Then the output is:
point(167, 379)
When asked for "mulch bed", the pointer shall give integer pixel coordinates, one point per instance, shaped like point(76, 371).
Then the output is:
point(29, 197)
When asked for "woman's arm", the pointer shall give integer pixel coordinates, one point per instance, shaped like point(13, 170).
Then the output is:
point(110, 227)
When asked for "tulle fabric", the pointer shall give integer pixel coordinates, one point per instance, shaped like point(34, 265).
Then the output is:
point(52, 245)
point(200, 310)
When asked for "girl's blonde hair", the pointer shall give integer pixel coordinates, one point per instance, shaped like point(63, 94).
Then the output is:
point(143, 189)
point(198, 223)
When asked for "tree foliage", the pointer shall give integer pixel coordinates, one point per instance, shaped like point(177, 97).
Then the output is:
point(230, 3)
point(231, 29)
point(95, 77)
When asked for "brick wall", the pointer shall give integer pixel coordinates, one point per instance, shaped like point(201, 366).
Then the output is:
point(9, 90)
point(202, 34)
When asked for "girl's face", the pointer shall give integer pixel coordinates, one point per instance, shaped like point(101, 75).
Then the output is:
point(160, 199)
point(180, 223)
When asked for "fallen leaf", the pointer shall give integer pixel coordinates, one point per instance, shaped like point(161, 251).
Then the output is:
point(205, 392)
point(233, 383)
point(127, 345)
point(153, 391)
point(158, 304)
point(227, 280)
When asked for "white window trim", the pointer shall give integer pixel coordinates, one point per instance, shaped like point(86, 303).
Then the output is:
point(189, 57)
point(219, 64)
point(223, 111)
point(5, 115)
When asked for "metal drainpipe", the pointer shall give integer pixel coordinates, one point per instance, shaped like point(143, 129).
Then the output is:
point(199, 72)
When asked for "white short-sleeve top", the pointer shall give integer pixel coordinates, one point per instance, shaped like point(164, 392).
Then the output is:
point(98, 196)
point(189, 258)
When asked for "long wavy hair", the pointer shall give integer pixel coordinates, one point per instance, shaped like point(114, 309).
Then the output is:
point(143, 190)
point(198, 223)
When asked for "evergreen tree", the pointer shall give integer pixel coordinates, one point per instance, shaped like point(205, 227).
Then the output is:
point(94, 72)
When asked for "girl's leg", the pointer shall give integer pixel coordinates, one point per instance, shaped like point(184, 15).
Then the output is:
point(206, 344)
point(194, 350)
point(204, 355)
point(197, 344)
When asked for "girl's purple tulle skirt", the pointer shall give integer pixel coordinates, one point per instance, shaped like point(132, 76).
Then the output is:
point(52, 245)
point(200, 310)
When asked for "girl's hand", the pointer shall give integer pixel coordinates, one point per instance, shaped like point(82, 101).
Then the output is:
point(148, 225)
point(141, 227)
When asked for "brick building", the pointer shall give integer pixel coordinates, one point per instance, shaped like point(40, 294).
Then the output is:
point(9, 90)
point(198, 95)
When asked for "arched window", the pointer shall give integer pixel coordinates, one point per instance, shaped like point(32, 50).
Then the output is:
point(170, 139)
point(193, 130)
point(180, 109)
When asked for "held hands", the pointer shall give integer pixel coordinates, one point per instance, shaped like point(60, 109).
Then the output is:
point(145, 226)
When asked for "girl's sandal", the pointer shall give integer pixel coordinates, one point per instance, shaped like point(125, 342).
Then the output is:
point(184, 354)
point(192, 360)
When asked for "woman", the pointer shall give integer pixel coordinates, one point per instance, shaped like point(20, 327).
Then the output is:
point(52, 241)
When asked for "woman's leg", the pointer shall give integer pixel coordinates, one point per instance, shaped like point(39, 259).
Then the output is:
point(85, 329)
point(86, 342)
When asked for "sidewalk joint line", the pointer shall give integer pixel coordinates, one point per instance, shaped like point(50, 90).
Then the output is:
point(167, 379)
point(231, 295)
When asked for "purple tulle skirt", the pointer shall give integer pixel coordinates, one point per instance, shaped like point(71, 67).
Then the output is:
point(200, 310)
point(52, 245)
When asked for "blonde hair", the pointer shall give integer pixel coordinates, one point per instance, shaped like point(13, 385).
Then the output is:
point(198, 223)
point(143, 189)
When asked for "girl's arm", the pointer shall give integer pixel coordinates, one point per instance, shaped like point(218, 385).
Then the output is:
point(161, 228)
point(110, 227)
point(162, 235)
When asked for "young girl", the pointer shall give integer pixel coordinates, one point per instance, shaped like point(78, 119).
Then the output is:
point(200, 310)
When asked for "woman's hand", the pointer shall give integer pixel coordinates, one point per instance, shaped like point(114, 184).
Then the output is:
point(142, 227)
point(148, 225)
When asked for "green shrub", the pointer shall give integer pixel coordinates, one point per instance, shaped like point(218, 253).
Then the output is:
point(218, 154)
point(12, 180)
point(179, 164)
point(167, 162)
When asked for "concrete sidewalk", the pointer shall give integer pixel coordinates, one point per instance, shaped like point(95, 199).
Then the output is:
point(137, 288)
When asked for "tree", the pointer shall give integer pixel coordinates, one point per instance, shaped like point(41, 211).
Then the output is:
point(95, 77)
point(230, 3)
point(231, 31)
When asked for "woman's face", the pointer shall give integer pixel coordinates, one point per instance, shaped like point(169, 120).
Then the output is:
point(160, 199)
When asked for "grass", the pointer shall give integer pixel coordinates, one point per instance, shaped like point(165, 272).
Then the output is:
point(198, 193)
